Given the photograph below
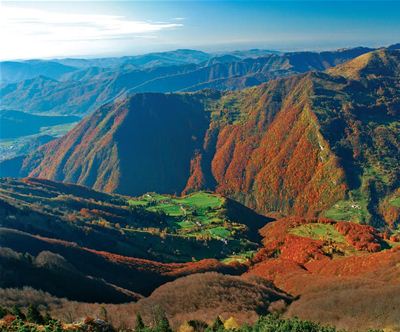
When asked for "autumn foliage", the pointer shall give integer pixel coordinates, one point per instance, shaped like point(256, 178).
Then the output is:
point(362, 237)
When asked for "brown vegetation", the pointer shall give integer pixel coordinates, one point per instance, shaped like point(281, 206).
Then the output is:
point(205, 296)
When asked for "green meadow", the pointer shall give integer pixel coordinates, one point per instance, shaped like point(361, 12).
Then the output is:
point(199, 215)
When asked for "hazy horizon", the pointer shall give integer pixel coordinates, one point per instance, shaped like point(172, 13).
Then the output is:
point(97, 29)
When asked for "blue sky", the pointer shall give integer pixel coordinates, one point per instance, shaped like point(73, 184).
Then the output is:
point(35, 29)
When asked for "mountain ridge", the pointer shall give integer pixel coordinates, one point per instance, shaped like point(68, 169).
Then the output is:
point(101, 86)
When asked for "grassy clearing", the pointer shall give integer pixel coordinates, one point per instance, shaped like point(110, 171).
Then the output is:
point(354, 209)
point(395, 202)
point(186, 224)
point(348, 210)
point(220, 231)
point(240, 258)
point(201, 200)
point(57, 130)
point(169, 209)
point(319, 232)
point(199, 217)
point(335, 243)
point(134, 202)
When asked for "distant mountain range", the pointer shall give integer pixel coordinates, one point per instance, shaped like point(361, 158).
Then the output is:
point(95, 82)
point(251, 144)
point(14, 71)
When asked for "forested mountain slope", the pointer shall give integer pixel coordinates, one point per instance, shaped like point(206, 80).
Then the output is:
point(251, 144)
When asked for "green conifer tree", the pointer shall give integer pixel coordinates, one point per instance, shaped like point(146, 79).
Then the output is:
point(139, 324)
point(33, 315)
point(16, 311)
point(217, 324)
point(162, 323)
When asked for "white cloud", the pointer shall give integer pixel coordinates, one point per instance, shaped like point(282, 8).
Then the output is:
point(30, 33)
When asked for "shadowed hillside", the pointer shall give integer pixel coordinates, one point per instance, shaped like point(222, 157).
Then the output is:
point(114, 150)
point(67, 270)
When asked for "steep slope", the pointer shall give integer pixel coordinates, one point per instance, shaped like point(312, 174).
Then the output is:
point(135, 140)
point(261, 161)
point(151, 163)
point(311, 144)
point(347, 128)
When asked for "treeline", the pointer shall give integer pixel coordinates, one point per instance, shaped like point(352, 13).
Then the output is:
point(29, 320)
point(32, 320)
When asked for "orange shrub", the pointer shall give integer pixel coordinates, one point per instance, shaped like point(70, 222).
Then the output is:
point(362, 237)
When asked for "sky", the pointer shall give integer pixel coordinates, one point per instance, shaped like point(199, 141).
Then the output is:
point(57, 29)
